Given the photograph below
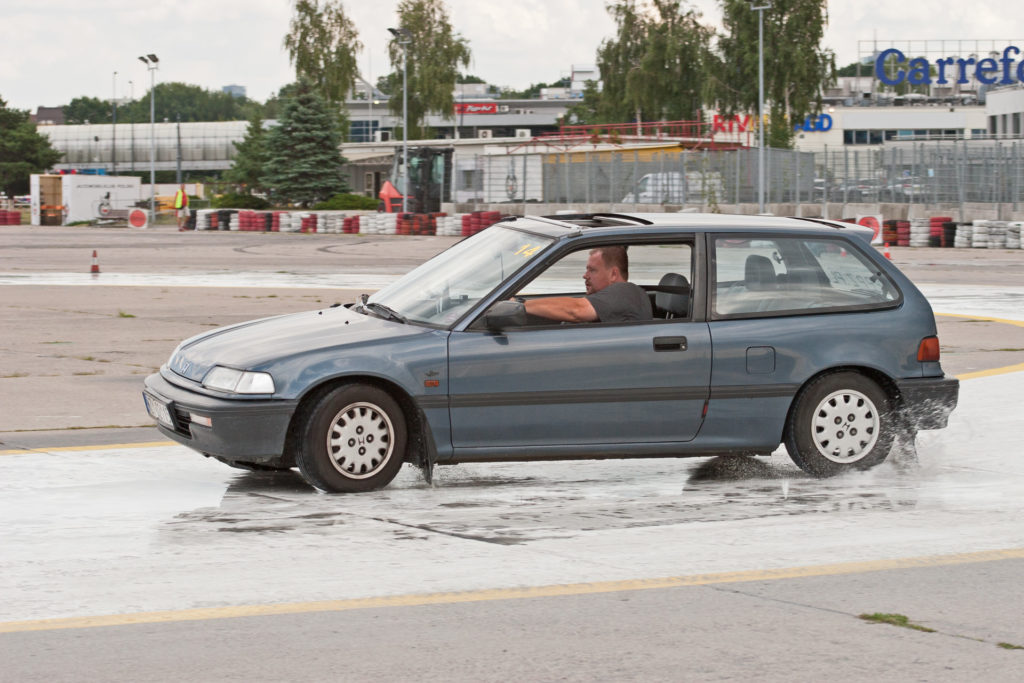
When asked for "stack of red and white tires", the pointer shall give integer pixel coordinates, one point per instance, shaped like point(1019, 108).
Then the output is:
point(1013, 229)
point(350, 225)
point(997, 234)
point(288, 221)
point(964, 233)
point(902, 233)
point(920, 232)
point(935, 223)
point(979, 235)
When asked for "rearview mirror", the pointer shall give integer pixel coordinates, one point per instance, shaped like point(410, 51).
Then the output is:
point(505, 314)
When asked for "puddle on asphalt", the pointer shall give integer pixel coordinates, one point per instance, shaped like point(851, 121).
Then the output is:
point(497, 504)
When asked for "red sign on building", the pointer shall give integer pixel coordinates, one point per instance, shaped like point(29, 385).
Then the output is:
point(476, 108)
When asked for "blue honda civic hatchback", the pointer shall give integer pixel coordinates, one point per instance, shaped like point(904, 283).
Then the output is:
point(578, 337)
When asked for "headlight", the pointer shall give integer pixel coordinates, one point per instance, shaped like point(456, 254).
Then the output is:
point(238, 381)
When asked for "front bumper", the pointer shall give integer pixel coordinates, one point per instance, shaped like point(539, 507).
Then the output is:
point(242, 430)
point(927, 402)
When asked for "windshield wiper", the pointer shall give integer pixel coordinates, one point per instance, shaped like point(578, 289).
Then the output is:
point(385, 311)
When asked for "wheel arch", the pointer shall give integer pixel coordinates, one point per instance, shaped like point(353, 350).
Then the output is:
point(420, 445)
point(887, 384)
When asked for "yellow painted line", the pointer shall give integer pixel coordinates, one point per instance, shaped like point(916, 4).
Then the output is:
point(99, 447)
point(487, 595)
point(1019, 367)
point(1007, 321)
point(994, 371)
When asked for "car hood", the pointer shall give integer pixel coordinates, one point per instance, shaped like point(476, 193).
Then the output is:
point(257, 344)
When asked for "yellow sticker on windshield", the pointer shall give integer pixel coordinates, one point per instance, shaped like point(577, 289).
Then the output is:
point(528, 250)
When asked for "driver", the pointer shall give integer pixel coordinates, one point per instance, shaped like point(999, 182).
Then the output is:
point(610, 297)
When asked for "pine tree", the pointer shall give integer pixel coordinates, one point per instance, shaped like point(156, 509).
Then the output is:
point(303, 163)
point(250, 158)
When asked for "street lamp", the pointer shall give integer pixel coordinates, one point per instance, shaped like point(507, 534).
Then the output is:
point(113, 128)
point(131, 99)
point(404, 37)
point(152, 64)
point(760, 102)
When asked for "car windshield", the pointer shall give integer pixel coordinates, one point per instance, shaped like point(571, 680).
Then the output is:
point(440, 291)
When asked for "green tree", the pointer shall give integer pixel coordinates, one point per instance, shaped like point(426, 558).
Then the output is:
point(533, 91)
point(23, 151)
point(87, 110)
point(303, 163)
point(434, 53)
point(322, 43)
point(795, 73)
point(653, 69)
point(250, 158)
point(190, 102)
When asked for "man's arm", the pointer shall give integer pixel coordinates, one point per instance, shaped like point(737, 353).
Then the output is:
point(566, 308)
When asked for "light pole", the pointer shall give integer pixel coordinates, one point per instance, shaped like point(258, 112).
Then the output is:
point(152, 63)
point(404, 37)
point(131, 126)
point(760, 103)
point(113, 128)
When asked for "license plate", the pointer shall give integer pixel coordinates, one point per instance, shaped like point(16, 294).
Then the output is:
point(158, 410)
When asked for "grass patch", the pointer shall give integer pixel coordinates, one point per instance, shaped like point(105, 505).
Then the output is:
point(1013, 350)
point(83, 374)
point(122, 314)
point(89, 358)
point(16, 374)
point(1010, 646)
point(895, 620)
point(57, 342)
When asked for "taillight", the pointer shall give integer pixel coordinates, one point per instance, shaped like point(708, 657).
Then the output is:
point(928, 350)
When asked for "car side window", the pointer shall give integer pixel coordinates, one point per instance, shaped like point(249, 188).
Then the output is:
point(664, 271)
point(793, 275)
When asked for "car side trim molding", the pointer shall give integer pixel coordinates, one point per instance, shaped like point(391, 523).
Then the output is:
point(754, 391)
point(575, 396)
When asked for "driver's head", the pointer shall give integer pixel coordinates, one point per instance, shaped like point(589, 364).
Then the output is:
point(605, 266)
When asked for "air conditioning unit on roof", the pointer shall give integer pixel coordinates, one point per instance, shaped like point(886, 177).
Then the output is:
point(485, 133)
point(522, 132)
point(502, 108)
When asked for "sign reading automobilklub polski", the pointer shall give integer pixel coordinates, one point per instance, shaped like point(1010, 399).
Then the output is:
point(1004, 70)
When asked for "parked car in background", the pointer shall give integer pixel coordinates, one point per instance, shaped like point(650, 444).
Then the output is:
point(673, 187)
point(766, 331)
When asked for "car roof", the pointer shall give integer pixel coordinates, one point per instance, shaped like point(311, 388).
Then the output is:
point(625, 223)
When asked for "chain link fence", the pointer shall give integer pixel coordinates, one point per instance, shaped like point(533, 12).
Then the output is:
point(933, 172)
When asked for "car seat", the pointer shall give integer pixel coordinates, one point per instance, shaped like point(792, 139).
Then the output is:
point(675, 303)
point(759, 273)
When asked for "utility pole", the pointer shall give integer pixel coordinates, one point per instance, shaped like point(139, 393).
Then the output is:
point(113, 128)
point(152, 64)
point(760, 103)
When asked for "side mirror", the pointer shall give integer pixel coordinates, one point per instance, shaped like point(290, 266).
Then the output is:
point(505, 314)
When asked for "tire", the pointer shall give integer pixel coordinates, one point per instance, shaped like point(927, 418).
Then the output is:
point(351, 440)
point(840, 422)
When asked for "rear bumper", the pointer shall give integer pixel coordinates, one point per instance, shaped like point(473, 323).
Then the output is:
point(927, 402)
point(242, 430)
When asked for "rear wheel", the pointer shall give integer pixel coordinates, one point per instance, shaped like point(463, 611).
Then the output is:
point(352, 439)
point(841, 421)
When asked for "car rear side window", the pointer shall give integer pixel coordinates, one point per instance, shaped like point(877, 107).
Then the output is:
point(758, 276)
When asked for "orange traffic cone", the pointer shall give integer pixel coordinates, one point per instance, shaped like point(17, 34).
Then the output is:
point(887, 254)
point(95, 270)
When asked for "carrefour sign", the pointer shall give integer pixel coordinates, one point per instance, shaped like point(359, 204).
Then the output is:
point(918, 71)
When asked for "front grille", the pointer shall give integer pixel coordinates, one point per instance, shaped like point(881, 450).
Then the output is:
point(183, 421)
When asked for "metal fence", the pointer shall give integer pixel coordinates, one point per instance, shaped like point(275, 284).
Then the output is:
point(933, 172)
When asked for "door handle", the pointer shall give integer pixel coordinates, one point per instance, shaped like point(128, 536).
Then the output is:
point(670, 343)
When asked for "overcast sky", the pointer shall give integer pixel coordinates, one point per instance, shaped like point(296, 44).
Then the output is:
point(54, 51)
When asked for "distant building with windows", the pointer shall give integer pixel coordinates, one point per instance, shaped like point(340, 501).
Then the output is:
point(234, 90)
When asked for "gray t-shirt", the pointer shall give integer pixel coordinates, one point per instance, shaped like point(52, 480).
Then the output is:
point(621, 302)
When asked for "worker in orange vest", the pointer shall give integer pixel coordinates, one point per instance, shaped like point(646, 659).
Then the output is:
point(181, 207)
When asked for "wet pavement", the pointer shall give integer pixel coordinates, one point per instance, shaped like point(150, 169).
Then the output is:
point(121, 532)
point(131, 530)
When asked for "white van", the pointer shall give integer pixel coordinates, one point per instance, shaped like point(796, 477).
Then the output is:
point(671, 188)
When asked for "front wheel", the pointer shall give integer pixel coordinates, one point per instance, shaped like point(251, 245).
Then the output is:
point(352, 439)
point(841, 421)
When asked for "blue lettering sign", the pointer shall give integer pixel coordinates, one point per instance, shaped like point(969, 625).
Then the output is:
point(988, 70)
point(813, 124)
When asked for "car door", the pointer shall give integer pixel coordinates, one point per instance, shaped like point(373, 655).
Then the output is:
point(577, 384)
